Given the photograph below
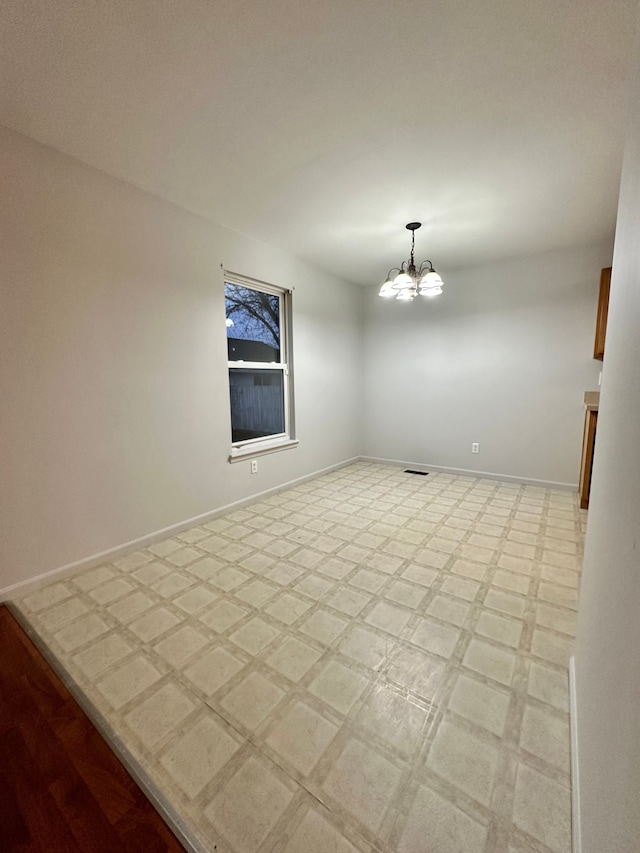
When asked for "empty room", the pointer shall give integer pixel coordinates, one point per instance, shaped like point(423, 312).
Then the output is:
point(320, 489)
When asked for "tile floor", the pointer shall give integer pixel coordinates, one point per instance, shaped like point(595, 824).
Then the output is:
point(371, 661)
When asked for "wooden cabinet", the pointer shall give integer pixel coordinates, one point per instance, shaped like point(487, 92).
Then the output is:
point(603, 311)
point(588, 445)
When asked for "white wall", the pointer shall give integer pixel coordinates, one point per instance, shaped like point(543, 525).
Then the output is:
point(502, 358)
point(607, 659)
point(114, 420)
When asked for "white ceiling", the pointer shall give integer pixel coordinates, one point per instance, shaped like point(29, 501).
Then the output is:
point(323, 127)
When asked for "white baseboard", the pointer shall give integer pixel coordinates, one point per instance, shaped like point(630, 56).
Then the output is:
point(21, 588)
point(467, 472)
point(575, 767)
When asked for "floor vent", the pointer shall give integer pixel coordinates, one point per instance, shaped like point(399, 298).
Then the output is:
point(419, 473)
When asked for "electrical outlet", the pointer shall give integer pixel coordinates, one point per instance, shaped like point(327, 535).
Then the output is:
point(254, 466)
point(475, 447)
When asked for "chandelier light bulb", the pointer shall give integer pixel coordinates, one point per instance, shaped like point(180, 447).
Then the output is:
point(432, 291)
point(402, 280)
point(387, 290)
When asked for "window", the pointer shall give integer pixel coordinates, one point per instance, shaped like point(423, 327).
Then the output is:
point(258, 343)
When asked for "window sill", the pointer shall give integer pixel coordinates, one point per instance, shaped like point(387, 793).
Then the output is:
point(238, 454)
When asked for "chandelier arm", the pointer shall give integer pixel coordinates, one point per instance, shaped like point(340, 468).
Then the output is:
point(422, 266)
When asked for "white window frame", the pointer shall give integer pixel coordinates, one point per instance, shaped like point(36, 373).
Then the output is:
point(280, 441)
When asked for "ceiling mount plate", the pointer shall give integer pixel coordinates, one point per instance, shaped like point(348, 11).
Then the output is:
point(413, 226)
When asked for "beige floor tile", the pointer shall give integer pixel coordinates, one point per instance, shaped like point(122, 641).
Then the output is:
point(301, 737)
point(206, 569)
point(405, 593)
point(153, 624)
point(222, 615)
point(469, 569)
point(335, 568)
point(449, 609)
point(512, 605)
point(307, 558)
point(367, 647)
point(389, 618)
point(557, 618)
point(394, 718)
point(465, 761)
point(385, 563)
point(546, 735)
point(442, 544)
point(473, 552)
point(235, 552)
point(257, 593)
point(250, 805)
point(436, 637)
point(284, 574)
point(338, 686)
point(556, 594)
point(171, 584)
point(549, 685)
point(85, 581)
point(252, 700)
point(542, 808)
point(516, 564)
point(111, 590)
point(180, 646)
point(288, 608)
point(416, 671)
point(348, 601)
point(551, 647)
point(159, 713)
point(420, 574)
point(512, 582)
point(229, 579)
point(128, 681)
point(561, 560)
point(183, 556)
point(564, 577)
point(212, 670)
point(49, 596)
point(323, 626)
point(195, 599)
point(431, 558)
point(436, 825)
point(491, 661)
point(59, 615)
point(315, 834)
point(315, 587)
point(293, 658)
point(99, 656)
point(164, 548)
point(132, 561)
point(491, 542)
point(81, 631)
point(499, 628)
point(480, 704)
point(519, 549)
point(363, 782)
point(255, 636)
point(461, 588)
point(195, 758)
point(368, 581)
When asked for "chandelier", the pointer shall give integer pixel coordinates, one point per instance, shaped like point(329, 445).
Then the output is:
point(411, 280)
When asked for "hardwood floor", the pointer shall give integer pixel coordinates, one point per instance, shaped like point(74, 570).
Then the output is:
point(61, 787)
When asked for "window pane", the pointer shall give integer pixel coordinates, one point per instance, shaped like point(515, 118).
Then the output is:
point(253, 324)
point(257, 403)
